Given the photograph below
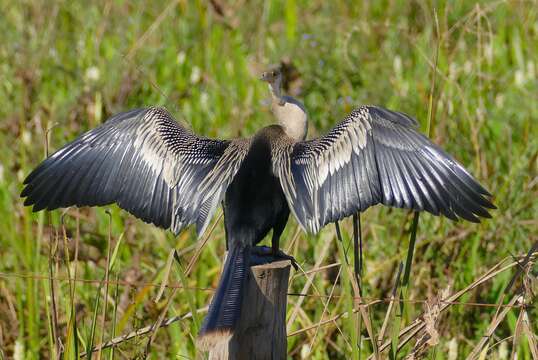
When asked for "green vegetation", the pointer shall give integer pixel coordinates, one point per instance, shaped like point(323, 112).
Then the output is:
point(67, 66)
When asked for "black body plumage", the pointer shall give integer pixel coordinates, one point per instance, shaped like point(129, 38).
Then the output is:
point(254, 202)
point(254, 205)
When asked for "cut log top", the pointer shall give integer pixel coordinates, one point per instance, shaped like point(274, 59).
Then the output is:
point(261, 333)
point(282, 264)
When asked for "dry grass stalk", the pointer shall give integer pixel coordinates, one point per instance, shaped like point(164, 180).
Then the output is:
point(298, 311)
point(429, 336)
point(201, 245)
point(151, 29)
point(312, 271)
point(354, 276)
point(107, 276)
point(325, 308)
point(393, 298)
point(321, 323)
point(416, 326)
point(53, 248)
point(363, 310)
point(482, 345)
point(531, 337)
point(523, 325)
point(309, 282)
point(522, 268)
point(159, 322)
point(143, 331)
point(166, 276)
point(523, 328)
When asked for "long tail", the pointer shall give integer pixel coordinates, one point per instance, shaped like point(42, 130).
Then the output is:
point(225, 307)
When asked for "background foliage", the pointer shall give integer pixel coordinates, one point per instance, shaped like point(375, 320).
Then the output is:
point(67, 66)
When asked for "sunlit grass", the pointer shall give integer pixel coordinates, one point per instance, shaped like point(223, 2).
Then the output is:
point(66, 66)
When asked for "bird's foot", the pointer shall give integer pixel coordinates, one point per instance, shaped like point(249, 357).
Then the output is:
point(265, 255)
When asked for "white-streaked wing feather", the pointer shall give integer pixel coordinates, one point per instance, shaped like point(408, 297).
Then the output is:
point(144, 161)
point(375, 156)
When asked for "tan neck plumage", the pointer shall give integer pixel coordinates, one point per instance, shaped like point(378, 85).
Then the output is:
point(290, 114)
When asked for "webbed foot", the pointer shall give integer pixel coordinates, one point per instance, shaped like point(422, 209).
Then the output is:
point(264, 255)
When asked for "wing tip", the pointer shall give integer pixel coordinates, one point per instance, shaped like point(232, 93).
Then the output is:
point(489, 204)
point(25, 191)
point(28, 201)
point(38, 207)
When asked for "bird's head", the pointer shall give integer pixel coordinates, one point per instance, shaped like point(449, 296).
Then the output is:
point(274, 78)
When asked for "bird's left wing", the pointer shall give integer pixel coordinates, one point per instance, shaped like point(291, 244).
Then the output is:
point(144, 161)
point(374, 156)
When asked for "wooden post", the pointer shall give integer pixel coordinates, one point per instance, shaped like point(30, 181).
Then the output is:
point(261, 333)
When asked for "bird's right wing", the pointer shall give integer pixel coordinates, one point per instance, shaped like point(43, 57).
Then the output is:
point(375, 156)
point(144, 161)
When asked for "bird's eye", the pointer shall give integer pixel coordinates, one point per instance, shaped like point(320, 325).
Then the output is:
point(273, 73)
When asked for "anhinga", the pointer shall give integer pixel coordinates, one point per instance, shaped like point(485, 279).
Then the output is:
point(164, 174)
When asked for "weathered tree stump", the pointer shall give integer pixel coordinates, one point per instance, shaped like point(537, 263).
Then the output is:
point(261, 333)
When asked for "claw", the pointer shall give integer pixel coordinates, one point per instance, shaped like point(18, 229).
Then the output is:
point(281, 255)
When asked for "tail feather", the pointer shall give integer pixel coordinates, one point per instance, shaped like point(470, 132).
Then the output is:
point(225, 308)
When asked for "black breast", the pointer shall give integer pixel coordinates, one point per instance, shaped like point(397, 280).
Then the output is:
point(254, 200)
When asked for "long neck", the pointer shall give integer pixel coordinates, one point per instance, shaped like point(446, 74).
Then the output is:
point(276, 90)
point(291, 115)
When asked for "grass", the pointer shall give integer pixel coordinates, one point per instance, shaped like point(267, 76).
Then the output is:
point(67, 66)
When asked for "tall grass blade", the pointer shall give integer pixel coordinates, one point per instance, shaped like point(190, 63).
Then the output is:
point(52, 292)
point(339, 237)
point(394, 299)
point(115, 312)
point(410, 251)
point(107, 276)
point(357, 250)
point(89, 343)
point(192, 305)
point(347, 291)
point(115, 252)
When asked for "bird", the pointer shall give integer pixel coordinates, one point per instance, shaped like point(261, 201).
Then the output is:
point(165, 174)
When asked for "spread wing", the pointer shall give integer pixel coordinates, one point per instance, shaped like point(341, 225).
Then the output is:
point(144, 161)
point(376, 156)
